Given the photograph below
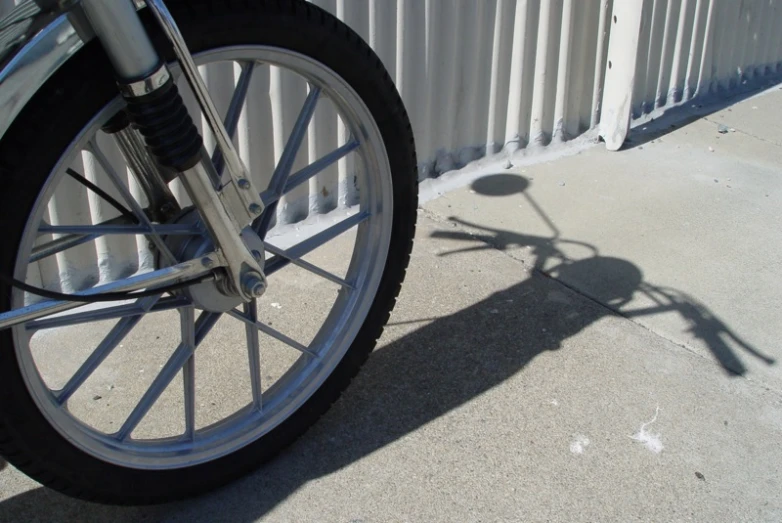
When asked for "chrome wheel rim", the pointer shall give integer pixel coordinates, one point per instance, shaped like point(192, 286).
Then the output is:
point(370, 220)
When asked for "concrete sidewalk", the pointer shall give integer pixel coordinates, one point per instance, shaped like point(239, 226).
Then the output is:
point(690, 220)
point(594, 338)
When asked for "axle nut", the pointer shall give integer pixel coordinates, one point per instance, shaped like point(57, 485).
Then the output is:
point(253, 285)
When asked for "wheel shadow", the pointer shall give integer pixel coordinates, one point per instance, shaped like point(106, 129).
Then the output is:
point(403, 386)
point(427, 373)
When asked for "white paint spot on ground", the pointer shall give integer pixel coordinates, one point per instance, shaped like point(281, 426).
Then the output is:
point(276, 305)
point(650, 441)
point(578, 445)
point(554, 402)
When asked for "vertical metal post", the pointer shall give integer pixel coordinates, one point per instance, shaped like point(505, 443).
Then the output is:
point(620, 73)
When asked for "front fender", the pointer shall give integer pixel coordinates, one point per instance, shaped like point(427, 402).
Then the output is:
point(36, 38)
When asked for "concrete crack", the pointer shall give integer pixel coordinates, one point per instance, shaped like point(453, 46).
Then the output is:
point(745, 133)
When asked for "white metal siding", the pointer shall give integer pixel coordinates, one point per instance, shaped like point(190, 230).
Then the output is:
point(477, 77)
point(700, 47)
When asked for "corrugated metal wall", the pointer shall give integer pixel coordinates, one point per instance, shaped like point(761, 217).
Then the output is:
point(694, 48)
point(477, 76)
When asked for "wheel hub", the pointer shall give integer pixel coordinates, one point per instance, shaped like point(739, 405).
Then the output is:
point(217, 295)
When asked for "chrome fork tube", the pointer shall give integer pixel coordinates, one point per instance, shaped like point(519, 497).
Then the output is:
point(158, 112)
point(119, 29)
point(241, 199)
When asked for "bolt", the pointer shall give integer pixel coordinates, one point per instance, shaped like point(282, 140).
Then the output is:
point(255, 208)
point(257, 255)
point(243, 183)
point(207, 262)
point(253, 285)
point(167, 208)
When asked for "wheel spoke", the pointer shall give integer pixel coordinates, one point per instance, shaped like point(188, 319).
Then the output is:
point(68, 241)
point(60, 244)
point(101, 230)
point(253, 352)
point(277, 262)
point(308, 266)
point(75, 235)
point(106, 346)
point(283, 170)
point(269, 197)
point(273, 333)
point(187, 318)
point(235, 110)
point(205, 322)
point(106, 313)
point(116, 179)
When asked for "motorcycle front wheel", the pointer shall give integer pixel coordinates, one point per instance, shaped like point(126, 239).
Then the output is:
point(155, 399)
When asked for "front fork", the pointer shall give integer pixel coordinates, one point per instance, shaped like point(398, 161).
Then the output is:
point(158, 113)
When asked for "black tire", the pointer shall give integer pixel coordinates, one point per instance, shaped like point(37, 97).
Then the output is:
point(61, 108)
